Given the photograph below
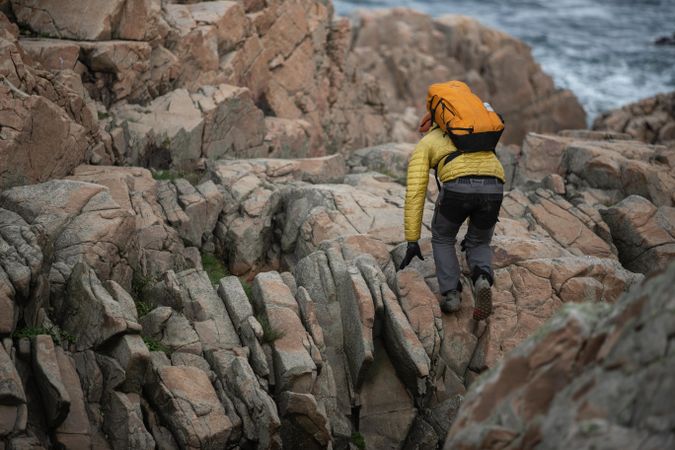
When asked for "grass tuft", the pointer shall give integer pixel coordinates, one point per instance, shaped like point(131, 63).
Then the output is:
point(156, 346)
point(270, 334)
point(58, 336)
point(171, 175)
point(139, 287)
point(358, 440)
point(214, 267)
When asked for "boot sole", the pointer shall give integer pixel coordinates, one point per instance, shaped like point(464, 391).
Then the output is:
point(483, 307)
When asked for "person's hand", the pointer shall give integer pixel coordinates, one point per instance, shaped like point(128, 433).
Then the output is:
point(412, 251)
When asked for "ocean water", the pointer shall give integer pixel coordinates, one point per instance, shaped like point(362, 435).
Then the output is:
point(602, 50)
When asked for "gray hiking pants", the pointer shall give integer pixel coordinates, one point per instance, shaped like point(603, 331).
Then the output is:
point(478, 199)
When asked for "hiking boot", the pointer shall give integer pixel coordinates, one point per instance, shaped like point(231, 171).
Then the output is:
point(482, 294)
point(450, 302)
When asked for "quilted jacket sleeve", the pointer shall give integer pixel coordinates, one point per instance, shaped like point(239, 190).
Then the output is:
point(417, 180)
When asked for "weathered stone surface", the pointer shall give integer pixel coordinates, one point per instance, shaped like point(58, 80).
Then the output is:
point(11, 388)
point(236, 301)
point(200, 34)
point(91, 314)
point(179, 128)
point(288, 138)
point(202, 306)
point(63, 19)
point(40, 141)
point(580, 230)
point(52, 54)
point(390, 159)
point(295, 368)
point(186, 400)
point(499, 69)
point(255, 407)
point(357, 309)
point(387, 410)
point(153, 247)
point(422, 310)
point(74, 431)
point(309, 318)
point(20, 266)
point(192, 210)
point(134, 358)
point(617, 167)
point(568, 384)
point(233, 125)
point(13, 412)
point(643, 233)
point(409, 356)
point(124, 422)
point(168, 131)
point(80, 221)
point(121, 70)
point(55, 396)
point(303, 424)
point(171, 329)
point(650, 120)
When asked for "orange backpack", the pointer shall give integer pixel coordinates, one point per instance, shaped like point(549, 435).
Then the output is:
point(472, 126)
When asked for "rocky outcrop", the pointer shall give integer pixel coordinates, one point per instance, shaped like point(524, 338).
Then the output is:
point(599, 169)
point(643, 233)
point(499, 69)
point(567, 386)
point(46, 125)
point(115, 335)
point(650, 120)
point(179, 128)
point(174, 83)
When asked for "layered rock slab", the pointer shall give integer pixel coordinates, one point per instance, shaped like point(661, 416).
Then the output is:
point(569, 384)
point(643, 233)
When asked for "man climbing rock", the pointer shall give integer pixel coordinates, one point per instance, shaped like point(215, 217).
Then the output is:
point(461, 135)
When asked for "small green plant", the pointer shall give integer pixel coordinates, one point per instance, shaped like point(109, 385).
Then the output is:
point(103, 115)
point(358, 440)
point(270, 334)
point(139, 287)
point(165, 175)
point(156, 346)
point(171, 175)
point(247, 287)
point(142, 308)
point(58, 336)
point(214, 267)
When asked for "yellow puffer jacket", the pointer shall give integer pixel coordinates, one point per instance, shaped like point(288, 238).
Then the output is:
point(428, 152)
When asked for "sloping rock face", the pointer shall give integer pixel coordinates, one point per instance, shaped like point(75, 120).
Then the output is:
point(568, 385)
point(330, 341)
point(650, 120)
point(499, 69)
point(644, 234)
point(47, 129)
point(174, 83)
point(599, 168)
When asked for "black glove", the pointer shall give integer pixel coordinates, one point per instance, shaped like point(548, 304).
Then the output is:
point(412, 251)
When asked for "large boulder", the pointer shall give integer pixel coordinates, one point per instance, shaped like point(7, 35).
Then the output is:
point(122, 19)
point(499, 68)
point(179, 128)
point(643, 233)
point(601, 169)
point(568, 385)
point(650, 120)
point(186, 400)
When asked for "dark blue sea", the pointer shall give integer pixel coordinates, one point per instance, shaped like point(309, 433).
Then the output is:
point(603, 50)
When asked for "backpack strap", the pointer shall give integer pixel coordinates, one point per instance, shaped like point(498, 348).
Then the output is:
point(445, 160)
